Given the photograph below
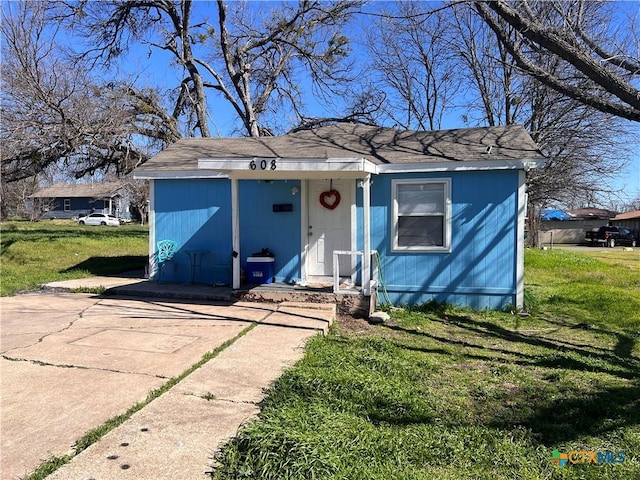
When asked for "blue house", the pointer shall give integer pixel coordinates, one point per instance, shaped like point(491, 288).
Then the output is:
point(72, 200)
point(416, 215)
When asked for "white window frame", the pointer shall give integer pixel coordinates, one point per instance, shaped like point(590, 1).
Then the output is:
point(446, 182)
point(66, 204)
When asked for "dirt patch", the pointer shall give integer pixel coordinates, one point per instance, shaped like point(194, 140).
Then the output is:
point(355, 305)
point(353, 325)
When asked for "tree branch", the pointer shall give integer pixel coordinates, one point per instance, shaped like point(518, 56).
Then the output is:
point(630, 97)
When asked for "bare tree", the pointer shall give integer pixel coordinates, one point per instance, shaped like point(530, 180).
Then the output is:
point(494, 87)
point(359, 105)
point(580, 142)
point(138, 191)
point(14, 200)
point(249, 57)
point(263, 61)
point(589, 37)
point(54, 111)
point(412, 65)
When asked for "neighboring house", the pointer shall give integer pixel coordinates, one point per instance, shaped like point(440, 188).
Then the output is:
point(556, 228)
point(630, 220)
point(71, 200)
point(444, 210)
point(592, 213)
point(592, 218)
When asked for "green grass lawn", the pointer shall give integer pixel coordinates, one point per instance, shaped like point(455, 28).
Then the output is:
point(443, 393)
point(34, 253)
point(435, 393)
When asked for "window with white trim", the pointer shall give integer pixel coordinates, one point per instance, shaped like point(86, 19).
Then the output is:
point(67, 204)
point(421, 214)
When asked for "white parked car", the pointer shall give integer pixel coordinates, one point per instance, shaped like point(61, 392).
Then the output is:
point(99, 219)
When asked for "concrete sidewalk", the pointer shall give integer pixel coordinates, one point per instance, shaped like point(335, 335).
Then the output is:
point(70, 362)
point(135, 285)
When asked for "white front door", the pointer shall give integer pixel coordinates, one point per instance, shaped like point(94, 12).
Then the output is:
point(329, 225)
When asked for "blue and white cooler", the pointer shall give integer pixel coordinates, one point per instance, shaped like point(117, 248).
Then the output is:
point(260, 269)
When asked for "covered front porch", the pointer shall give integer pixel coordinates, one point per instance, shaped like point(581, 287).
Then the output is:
point(315, 211)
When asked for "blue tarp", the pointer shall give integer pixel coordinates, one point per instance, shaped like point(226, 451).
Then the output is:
point(554, 214)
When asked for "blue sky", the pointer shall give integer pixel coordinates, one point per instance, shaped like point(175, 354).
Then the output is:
point(152, 67)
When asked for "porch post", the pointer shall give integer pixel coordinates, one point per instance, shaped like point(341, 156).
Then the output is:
point(520, 217)
point(152, 265)
point(366, 222)
point(235, 233)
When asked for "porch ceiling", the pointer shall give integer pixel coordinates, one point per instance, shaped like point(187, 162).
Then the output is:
point(289, 168)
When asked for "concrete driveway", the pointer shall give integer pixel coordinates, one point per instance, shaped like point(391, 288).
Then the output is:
point(70, 362)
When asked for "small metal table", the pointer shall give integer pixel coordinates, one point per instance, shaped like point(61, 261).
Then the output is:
point(195, 262)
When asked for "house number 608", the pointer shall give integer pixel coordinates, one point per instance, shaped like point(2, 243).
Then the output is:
point(264, 164)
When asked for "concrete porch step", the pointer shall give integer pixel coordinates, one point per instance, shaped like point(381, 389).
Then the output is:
point(315, 316)
point(293, 297)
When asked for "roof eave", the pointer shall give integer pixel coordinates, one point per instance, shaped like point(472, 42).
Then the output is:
point(163, 174)
point(461, 166)
point(289, 168)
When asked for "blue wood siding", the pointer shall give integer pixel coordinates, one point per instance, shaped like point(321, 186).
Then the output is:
point(480, 269)
point(79, 206)
point(196, 214)
point(261, 227)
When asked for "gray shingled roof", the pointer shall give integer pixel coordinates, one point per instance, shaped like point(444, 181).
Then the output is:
point(377, 144)
point(74, 190)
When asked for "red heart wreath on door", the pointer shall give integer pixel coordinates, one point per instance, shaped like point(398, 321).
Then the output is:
point(330, 199)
